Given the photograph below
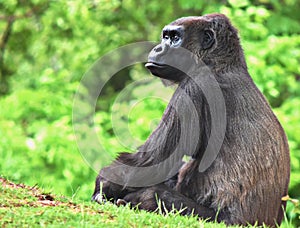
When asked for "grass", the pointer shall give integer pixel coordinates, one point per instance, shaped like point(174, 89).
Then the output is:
point(24, 206)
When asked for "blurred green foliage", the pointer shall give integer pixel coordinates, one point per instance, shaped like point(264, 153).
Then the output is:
point(47, 46)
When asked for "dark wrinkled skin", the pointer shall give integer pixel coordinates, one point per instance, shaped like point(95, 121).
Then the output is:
point(250, 175)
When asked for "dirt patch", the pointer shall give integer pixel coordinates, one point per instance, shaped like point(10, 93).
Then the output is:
point(35, 197)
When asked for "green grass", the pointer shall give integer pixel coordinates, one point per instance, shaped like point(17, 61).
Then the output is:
point(23, 206)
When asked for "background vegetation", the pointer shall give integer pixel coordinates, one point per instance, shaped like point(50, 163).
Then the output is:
point(47, 46)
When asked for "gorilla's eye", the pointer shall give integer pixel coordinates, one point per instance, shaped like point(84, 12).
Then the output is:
point(166, 36)
point(175, 39)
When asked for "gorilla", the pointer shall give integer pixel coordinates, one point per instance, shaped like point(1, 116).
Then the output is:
point(247, 175)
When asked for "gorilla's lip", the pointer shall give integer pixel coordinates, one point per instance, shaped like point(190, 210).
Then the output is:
point(154, 64)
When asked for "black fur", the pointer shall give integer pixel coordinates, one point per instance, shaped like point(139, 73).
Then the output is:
point(250, 174)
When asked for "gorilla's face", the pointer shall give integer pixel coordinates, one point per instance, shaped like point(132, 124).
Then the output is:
point(180, 40)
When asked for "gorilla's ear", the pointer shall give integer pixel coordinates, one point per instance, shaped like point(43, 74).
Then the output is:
point(208, 39)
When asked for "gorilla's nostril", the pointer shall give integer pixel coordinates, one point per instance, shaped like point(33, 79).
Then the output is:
point(158, 49)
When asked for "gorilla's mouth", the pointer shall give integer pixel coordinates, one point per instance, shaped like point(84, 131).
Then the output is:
point(157, 69)
point(151, 65)
point(164, 71)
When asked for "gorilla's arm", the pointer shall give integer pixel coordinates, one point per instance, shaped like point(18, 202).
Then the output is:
point(180, 132)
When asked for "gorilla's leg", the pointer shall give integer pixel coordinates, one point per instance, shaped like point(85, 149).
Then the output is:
point(148, 199)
